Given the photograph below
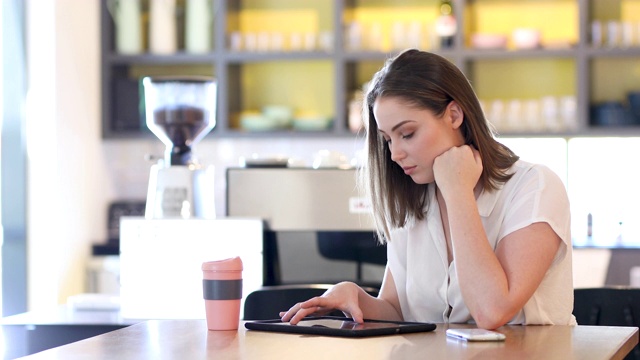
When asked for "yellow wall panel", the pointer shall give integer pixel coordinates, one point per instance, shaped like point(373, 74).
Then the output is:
point(305, 86)
point(630, 10)
point(557, 20)
point(523, 79)
point(284, 16)
point(614, 78)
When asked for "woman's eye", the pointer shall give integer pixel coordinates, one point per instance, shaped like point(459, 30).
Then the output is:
point(407, 136)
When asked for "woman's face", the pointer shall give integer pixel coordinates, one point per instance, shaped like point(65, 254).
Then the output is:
point(415, 136)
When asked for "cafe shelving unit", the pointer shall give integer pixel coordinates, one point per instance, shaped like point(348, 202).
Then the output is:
point(121, 111)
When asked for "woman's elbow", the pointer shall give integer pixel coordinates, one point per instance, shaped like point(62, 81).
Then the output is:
point(491, 318)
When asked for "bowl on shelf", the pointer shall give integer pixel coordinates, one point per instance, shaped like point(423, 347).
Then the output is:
point(633, 98)
point(611, 113)
point(525, 38)
point(280, 114)
point(488, 41)
point(311, 123)
point(258, 122)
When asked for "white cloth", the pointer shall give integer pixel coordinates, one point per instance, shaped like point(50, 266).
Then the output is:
point(428, 286)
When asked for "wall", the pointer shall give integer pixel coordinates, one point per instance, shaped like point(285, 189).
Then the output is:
point(65, 190)
point(73, 172)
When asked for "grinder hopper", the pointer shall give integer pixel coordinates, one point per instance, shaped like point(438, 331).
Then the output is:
point(180, 111)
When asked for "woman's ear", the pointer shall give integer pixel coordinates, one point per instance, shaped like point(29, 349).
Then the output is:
point(455, 114)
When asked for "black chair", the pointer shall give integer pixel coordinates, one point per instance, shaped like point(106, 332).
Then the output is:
point(359, 246)
point(609, 306)
point(267, 302)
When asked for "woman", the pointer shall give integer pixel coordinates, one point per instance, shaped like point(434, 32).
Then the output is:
point(473, 233)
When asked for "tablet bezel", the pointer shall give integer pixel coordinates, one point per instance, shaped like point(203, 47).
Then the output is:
point(276, 325)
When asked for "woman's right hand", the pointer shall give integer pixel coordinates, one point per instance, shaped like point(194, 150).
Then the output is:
point(342, 296)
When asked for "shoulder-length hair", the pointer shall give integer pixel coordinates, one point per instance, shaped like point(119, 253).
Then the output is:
point(430, 82)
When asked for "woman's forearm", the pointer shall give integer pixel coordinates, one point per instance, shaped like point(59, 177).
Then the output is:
point(482, 279)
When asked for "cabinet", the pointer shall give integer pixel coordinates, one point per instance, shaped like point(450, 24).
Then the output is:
point(323, 79)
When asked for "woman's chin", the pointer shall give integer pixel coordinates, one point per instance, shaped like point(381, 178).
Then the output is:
point(421, 180)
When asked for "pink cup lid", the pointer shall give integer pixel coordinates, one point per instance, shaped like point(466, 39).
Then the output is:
point(231, 264)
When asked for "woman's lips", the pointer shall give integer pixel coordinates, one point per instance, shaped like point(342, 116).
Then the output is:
point(408, 170)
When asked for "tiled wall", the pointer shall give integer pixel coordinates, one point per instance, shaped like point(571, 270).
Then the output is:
point(130, 170)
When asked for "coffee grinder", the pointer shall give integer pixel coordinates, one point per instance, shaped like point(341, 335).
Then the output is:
point(180, 111)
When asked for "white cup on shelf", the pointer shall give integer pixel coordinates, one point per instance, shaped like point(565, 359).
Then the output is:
point(414, 35)
point(626, 34)
point(514, 115)
point(162, 27)
point(596, 33)
point(531, 114)
point(569, 112)
point(276, 41)
point(250, 41)
point(613, 33)
point(325, 41)
point(235, 41)
point(310, 40)
point(398, 35)
point(496, 115)
point(198, 26)
point(126, 16)
point(550, 112)
point(263, 41)
point(353, 39)
point(375, 36)
point(295, 41)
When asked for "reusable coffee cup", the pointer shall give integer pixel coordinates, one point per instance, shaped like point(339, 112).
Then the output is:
point(222, 291)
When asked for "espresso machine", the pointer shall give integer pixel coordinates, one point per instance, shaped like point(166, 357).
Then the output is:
point(180, 111)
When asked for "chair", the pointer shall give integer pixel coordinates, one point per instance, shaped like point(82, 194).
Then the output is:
point(267, 302)
point(358, 246)
point(609, 306)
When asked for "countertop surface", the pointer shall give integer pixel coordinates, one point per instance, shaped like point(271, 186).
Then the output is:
point(190, 339)
point(67, 315)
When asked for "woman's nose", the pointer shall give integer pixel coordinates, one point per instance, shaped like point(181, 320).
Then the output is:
point(396, 152)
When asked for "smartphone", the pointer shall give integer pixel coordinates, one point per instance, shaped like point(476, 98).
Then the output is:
point(476, 334)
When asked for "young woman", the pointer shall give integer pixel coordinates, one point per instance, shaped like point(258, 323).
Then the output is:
point(474, 235)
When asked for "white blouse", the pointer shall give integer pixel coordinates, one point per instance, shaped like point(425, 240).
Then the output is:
point(427, 285)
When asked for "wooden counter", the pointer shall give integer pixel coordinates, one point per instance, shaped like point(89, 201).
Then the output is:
point(190, 339)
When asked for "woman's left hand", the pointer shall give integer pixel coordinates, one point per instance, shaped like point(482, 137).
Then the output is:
point(457, 169)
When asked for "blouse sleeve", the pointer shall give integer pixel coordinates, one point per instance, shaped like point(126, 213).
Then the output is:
point(540, 196)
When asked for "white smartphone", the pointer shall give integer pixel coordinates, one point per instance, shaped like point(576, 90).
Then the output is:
point(476, 334)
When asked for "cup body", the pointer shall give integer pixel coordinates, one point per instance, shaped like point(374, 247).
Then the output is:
point(127, 19)
point(222, 292)
point(198, 26)
point(162, 27)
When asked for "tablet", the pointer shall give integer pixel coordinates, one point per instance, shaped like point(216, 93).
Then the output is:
point(341, 326)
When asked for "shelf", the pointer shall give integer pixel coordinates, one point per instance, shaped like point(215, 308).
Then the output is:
point(475, 54)
point(151, 59)
point(579, 67)
point(247, 57)
point(593, 131)
point(613, 52)
point(284, 134)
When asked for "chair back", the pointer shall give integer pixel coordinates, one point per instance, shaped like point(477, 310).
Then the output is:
point(267, 302)
point(361, 247)
point(608, 306)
